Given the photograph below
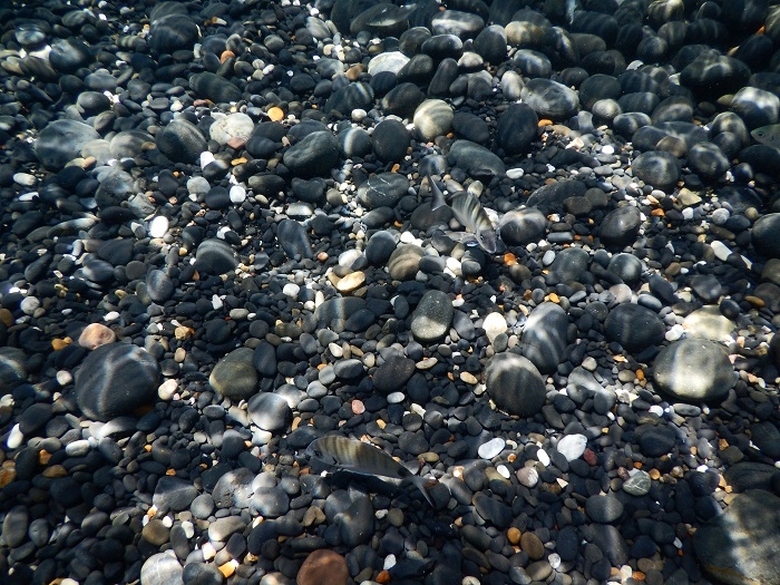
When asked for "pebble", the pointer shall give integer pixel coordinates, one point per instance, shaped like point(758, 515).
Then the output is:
point(544, 336)
point(235, 376)
point(572, 446)
point(101, 395)
point(181, 141)
point(515, 384)
point(324, 567)
point(230, 198)
point(432, 317)
point(492, 448)
point(751, 551)
point(633, 326)
point(694, 370)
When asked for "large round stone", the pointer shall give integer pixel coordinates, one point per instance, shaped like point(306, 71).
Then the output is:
point(633, 326)
point(315, 155)
point(234, 375)
point(740, 545)
point(544, 336)
point(61, 141)
point(514, 384)
point(181, 141)
point(550, 99)
point(115, 380)
point(694, 370)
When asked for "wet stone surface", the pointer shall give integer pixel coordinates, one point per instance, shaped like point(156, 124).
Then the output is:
point(218, 245)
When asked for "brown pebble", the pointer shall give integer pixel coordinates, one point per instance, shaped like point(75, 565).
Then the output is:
point(323, 567)
point(513, 535)
point(532, 545)
point(95, 335)
point(6, 317)
point(358, 407)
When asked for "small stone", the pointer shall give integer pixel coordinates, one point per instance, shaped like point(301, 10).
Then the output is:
point(323, 567)
point(638, 484)
point(492, 448)
point(432, 318)
point(96, 334)
point(234, 376)
point(572, 446)
point(162, 569)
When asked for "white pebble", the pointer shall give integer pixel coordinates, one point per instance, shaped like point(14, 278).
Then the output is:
point(492, 448)
point(720, 216)
point(167, 389)
point(291, 290)
point(656, 410)
point(494, 325)
point(237, 194)
point(158, 227)
point(389, 562)
point(15, 438)
point(514, 173)
point(206, 158)
point(24, 179)
point(675, 332)
point(543, 457)
point(358, 115)
point(721, 250)
point(64, 377)
point(608, 149)
point(572, 446)
point(111, 316)
point(208, 551)
point(503, 471)
point(687, 213)
point(407, 238)
point(396, 398)
point(29, 305)
point(189, 528)
point(216, 302)
point(198, 186)
point(555, 560)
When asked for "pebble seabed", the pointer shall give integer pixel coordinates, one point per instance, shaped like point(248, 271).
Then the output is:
point(216, 245)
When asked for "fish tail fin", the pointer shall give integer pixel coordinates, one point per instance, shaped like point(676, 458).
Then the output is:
point(422, 484)
point(438, 197)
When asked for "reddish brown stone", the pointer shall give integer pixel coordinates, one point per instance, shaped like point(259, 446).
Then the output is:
point(323, 567)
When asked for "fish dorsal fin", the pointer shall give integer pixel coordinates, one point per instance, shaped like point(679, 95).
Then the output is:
point(437, 196)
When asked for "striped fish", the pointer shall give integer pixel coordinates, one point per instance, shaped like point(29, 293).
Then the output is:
point(358, 457)
point(470, 214)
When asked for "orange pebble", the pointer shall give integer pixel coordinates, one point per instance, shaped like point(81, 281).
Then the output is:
point(383, 577)
point(276, 114)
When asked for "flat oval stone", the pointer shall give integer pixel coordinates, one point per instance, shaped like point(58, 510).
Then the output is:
point(515, 384)
point(432, 318)
point(235, 375)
